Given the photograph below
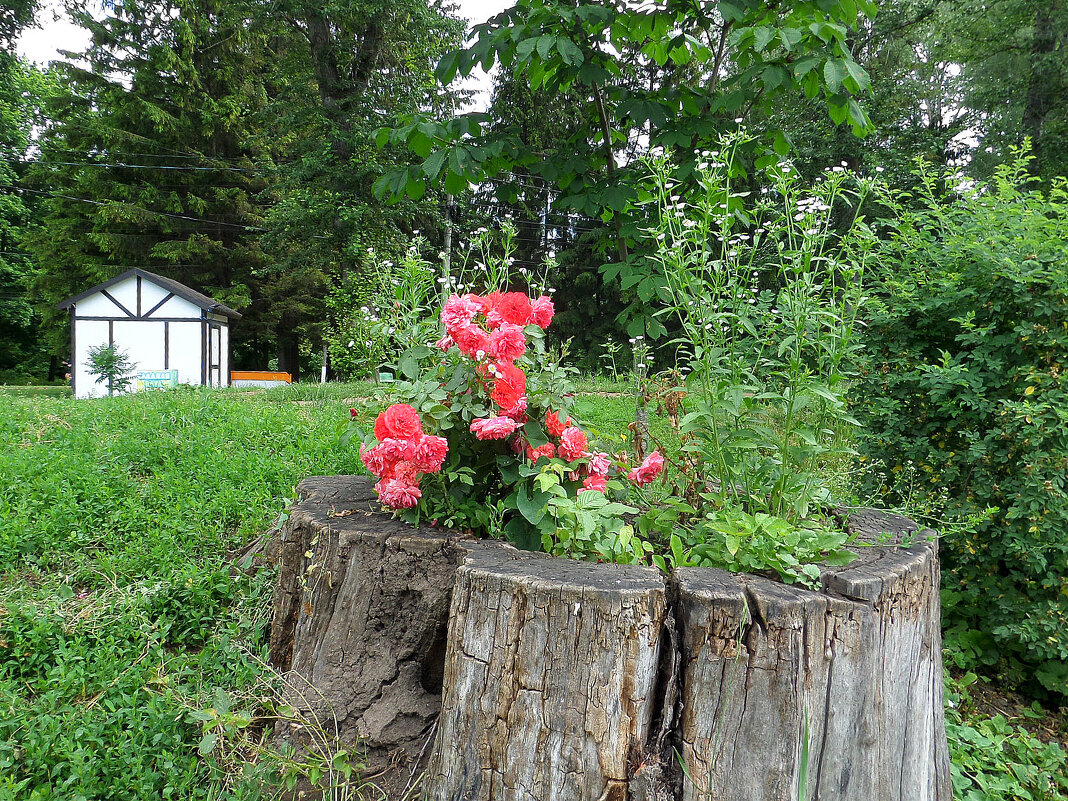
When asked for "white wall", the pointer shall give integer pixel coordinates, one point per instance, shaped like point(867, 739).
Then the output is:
point(87, 334)
point(142, 341)
point(151, 294)
point(175, 307)
point(226, 355)
point(125, 292)
point(97, 306)
point(186, 351)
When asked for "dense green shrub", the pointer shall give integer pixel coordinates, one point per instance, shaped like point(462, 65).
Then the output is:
point(966, 396)
point(997, 759)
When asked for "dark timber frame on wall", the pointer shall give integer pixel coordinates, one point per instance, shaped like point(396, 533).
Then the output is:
point(210, 325)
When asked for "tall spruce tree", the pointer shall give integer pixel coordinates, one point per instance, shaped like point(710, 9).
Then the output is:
point(21, 87)
point(148, 160)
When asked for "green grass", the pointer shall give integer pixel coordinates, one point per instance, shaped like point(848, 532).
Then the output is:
point(119, 616)
point(42, 391)
point(331, 391)
point(121, 619)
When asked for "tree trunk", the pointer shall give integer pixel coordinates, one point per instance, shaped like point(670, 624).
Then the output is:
point(289, 354)
point(553, 679)
point(360, 614)
point(1042, 82)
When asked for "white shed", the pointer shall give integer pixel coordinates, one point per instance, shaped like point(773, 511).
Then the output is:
point(162, 325)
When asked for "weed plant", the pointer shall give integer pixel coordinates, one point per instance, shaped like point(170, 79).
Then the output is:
point(766, 292)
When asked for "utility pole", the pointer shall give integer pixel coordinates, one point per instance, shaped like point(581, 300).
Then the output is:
point(446, 267)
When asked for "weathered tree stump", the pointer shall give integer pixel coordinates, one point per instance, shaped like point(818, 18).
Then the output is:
point(550, 674)
point(544, 678)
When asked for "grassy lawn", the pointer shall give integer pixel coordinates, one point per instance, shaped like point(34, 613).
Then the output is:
point(121, 619)
point(42, 391)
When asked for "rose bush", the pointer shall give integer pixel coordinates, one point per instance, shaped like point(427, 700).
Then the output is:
point(507, 458)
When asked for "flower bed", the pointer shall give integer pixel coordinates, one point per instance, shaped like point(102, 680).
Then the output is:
point(486, 441)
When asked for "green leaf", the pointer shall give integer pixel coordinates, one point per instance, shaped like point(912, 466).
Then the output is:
point(535, 433)
point(839, 112)
point(834, 73)
point(545, 45)
point(415, 189)
point(455, 184)
point(207, 743)
point(733, 543)
point(532, 506)
point(420, 144)
point(525, 49)
point(781, 145)
point(459, 158)
point(791, 37)
point(447, 67)
point(730, 12)
point(804, 66)
point(773, 77)
point(408, 365)
point(858, 74)
point(433, 164)
point(761, 37)
point(522, 534)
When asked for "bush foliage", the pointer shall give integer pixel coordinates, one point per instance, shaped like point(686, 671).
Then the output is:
point(966, 392)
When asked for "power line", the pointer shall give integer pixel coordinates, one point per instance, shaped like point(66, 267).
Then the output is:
point(115, 203)
point(200, 157)
point(125, 166)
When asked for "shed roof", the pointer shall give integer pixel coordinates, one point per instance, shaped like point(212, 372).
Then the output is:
point(181, 290)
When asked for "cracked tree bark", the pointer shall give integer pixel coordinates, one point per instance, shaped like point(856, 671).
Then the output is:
point(553, 679)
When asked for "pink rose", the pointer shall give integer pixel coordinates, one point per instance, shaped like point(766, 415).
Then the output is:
point(471, 340)
point(459, 312)
point(507, 343)
point(399, 420)
point(397, 494)
point(396, 450)
point(553, 424)
point(599, 464)
point(510, 387)
point(648, 470)
point(493, 427)
point(430, 453)
point(373, 459)
point(405, 472)
point(541, 312)
point(573, 443)
point(518, 412)
point(512, 307)
point(444, 343)
point(596, 483)
point(547, 450)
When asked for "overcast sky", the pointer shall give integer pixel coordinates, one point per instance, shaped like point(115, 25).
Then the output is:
point(56, 32)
